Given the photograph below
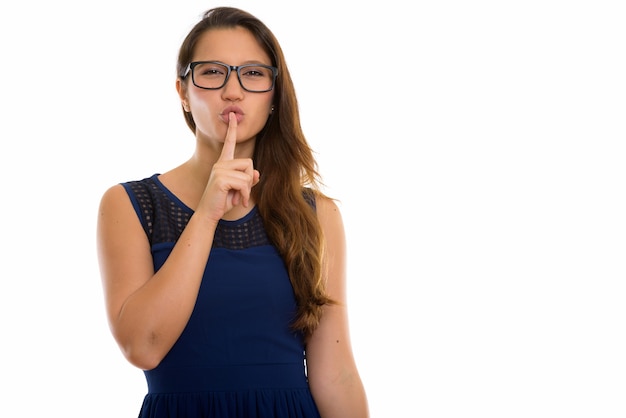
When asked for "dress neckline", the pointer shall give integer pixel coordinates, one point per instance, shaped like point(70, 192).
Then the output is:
point(180, 203)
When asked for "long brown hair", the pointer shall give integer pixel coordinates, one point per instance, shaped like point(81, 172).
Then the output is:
point(290, 179)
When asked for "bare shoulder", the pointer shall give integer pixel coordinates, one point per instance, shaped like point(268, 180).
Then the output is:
point(113, 195)
point(331, 222)
point(328, 212)
point(118, 223)
point(115, 207)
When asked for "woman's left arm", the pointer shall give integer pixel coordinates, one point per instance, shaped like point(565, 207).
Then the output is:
point(332, 372)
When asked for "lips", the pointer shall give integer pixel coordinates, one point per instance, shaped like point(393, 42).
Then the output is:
point(231, 109)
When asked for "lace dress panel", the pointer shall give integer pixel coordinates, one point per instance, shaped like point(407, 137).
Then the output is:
point(164, 219)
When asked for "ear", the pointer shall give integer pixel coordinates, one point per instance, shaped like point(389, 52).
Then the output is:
point(182, 93)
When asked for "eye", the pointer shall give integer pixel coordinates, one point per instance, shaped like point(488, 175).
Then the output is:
point(210, 70)
point(255, 72)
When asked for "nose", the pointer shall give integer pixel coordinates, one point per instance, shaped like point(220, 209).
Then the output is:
point(232, 90)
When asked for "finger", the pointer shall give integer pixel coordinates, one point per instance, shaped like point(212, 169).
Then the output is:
point(249, 168)
point(242, 177)
point(235, 197)
point(242, 186)
point(232, 178)
point(255, 176)
point(228, 150)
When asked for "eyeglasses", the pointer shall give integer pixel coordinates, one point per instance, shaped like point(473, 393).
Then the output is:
point(213, 75)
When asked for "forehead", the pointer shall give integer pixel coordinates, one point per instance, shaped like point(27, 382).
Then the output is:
point(232, 46)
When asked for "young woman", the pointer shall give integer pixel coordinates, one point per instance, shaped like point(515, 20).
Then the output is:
point(224, 278)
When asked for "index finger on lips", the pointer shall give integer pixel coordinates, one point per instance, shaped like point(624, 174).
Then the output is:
point(228, 150)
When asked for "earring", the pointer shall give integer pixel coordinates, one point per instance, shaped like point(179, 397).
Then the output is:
point(272, 109)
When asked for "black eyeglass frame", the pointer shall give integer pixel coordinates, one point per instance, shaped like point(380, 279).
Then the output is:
point(231, 68)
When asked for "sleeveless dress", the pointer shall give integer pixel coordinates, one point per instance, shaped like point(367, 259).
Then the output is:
point(237, 356)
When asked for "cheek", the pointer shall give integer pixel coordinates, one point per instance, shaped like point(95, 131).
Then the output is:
point(270, 101)
point(262, 114)
point(200, 104)
point(206, 116)
point(203, 101)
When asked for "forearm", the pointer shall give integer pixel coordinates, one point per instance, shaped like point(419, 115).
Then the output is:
point(153, 317)
point(342, 399)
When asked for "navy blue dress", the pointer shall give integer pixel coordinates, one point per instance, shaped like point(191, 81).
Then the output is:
point(237, 356)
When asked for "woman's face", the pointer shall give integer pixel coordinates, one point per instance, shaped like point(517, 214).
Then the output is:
point(210, 108)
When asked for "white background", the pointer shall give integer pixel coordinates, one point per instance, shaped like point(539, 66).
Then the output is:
point(476, 148)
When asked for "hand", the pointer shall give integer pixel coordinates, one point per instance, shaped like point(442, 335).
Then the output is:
point(231, 180)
